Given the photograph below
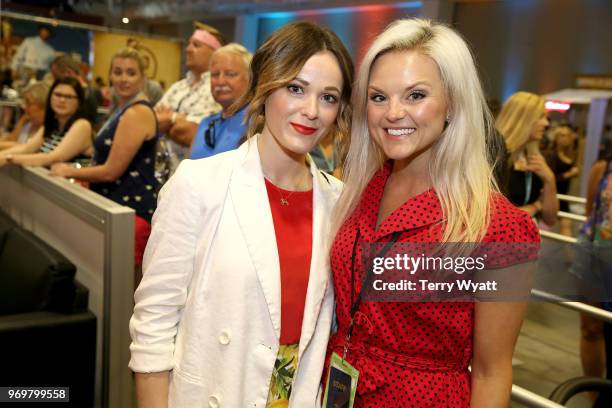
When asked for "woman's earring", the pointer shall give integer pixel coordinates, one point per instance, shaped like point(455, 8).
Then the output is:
point(447, 120)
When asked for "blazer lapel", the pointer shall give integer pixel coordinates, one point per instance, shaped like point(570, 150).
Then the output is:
point(252, 209)
point(324, 198)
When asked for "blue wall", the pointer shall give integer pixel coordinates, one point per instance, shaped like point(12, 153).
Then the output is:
point(537, 45)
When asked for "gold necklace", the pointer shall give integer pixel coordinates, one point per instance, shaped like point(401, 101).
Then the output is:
point(284, 200)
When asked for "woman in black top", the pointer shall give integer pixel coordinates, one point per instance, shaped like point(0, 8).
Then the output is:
point(124, 156)
point(531, 183)
point(65, 135)
point(562, 159)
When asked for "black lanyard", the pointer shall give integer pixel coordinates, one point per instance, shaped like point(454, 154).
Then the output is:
point(366, 282)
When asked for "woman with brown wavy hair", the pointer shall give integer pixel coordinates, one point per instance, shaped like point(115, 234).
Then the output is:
point(236, 304)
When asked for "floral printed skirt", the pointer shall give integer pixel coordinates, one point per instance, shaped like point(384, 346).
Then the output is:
point(282, 376)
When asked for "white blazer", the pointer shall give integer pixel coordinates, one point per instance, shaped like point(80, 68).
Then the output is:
point(209, 305)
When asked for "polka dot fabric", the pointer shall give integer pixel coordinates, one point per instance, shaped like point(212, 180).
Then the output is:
point(136, 187)
point(410, 354)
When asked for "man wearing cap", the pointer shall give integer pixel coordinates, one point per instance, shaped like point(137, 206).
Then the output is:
point(189, 100)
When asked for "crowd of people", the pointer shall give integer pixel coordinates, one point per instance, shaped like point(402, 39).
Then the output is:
point(250, 249)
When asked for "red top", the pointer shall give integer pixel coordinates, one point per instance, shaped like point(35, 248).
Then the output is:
point(410, 354)
point(293, 228)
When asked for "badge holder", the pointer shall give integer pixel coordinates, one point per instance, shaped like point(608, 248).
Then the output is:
point(342, 377)
point(341, 384)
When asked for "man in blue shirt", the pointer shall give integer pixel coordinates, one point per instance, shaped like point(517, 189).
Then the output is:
point(229, 79)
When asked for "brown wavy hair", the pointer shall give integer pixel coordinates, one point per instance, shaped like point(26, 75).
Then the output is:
point(280, 59)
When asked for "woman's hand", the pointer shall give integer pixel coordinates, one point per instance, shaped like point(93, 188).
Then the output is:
point(61, 169)
point(8, 159)
point(533, 208)
point(549, 205)
point(537, 165)
point(573, 172)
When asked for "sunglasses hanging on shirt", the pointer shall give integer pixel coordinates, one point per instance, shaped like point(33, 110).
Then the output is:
point(209, 133)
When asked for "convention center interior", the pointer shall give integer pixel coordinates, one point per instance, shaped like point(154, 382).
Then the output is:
point(232, 203)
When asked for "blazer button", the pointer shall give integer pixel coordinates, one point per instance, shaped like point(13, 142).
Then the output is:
point(224, 337)
point(213, 401)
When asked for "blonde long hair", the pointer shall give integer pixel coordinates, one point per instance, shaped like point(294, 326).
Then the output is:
point(37, 93)
point(459, 170)
point(516, 119)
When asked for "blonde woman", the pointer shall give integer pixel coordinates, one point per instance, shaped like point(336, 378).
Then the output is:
point(34, 101)
point(417, 171)
point(235, 306)
point(531, 184)
point(124, 158)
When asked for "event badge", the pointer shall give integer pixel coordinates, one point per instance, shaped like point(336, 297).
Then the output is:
point(341, 384)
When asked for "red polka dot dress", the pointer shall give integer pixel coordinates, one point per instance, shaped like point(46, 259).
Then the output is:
point(409, 354)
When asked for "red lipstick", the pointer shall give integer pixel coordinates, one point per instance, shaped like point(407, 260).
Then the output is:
point(305, 130)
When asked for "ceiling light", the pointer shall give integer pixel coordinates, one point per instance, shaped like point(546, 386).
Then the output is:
point(557, 106)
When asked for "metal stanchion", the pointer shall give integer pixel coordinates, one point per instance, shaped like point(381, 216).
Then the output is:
point(530, 399)
point(571, 199)
point(571, 216)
